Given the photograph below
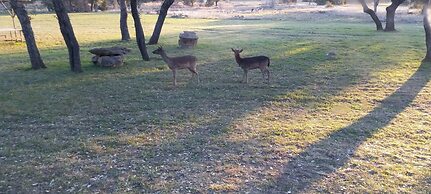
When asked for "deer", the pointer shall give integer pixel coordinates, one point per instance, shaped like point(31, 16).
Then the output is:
point(249, 63)
point(175, 63)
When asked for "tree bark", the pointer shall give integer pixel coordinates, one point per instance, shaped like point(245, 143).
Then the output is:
point(427, 28)
point(68, 35)
point(160, 20)
point(140, 37)
point(93, 5)
point(390, 15)
point(376, 3)
point(125, 36)
point(33, 51)
point(373, 15)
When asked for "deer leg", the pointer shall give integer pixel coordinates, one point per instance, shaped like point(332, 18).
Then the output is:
point(197, 75)
point(174, 73)
point(268, 74)
point(263, 70)
point(194, 72)
point(267, 71)
point(246, 77)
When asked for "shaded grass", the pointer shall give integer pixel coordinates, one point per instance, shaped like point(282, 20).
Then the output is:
point(127, 129)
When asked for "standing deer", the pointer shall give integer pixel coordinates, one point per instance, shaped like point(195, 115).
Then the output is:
point(249, 63)
point(174, 63)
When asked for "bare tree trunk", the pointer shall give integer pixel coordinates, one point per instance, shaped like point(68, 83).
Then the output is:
point(33, 51)
point(125, 36)
point(427, 28)
point(390, 15)
point(376, 3)
point(372, 14)
point(140, 38)
point(160, 20)
point(92, 5)
point(68, 35)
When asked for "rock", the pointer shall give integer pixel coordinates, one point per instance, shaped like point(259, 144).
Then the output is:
point(94, 59)
point(181, 16)
point(331, 55)
point(414, 11)
point(188, 39)
point(109, 57)
point(240, 17)
point(108, 61)
point(189, 35)
point(111, 51)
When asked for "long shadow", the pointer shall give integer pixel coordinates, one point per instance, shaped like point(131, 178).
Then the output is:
point(214, 106)
point(335, 151)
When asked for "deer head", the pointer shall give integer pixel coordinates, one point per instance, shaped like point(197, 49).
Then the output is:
point(158, 51)
point(236, 51)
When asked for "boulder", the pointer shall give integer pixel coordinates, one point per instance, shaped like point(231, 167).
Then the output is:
point(188, 39)
point(111, 51)
point(331, 55)
point(109, 57)
point(108, 61)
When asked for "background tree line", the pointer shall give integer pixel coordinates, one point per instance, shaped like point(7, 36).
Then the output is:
point(66, 28)
point(103, 5)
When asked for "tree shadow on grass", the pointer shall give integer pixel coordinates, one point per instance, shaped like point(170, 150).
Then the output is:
point(328, 155)
point(185, 125)
point(119, 115)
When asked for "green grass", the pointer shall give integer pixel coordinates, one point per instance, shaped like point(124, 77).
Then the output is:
point(357, 124)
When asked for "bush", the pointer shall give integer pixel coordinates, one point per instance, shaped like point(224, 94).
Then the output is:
point(333, 2)
point(189, 2)
point(290, 1)
point(103, 5)
point(48, 4)
point(211, 2)
point(321, 2)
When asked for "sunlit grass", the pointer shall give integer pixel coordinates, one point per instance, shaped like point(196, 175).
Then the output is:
point(128, 129)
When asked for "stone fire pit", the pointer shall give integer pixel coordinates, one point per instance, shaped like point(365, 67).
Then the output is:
point(109, 57)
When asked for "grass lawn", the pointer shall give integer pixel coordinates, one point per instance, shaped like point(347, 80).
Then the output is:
point(356, 124)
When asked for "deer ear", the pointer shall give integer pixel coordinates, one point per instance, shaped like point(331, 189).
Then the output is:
point(240, 51)
point(232, 50)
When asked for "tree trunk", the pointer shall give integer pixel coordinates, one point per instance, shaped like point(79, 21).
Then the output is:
point(160, 20)
point(376, 3)
point(33, 51)
point(140, 38)
point(390, 15)
point(373, 15)
point(427, 28)
point(125, 36)
point(92, 5)
point(68, 35)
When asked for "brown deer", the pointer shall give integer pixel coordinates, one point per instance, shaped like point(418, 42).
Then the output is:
point(249, 63)
point(174, 63)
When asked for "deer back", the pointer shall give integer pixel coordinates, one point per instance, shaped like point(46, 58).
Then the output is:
point(182, 62)
point(253, 62)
